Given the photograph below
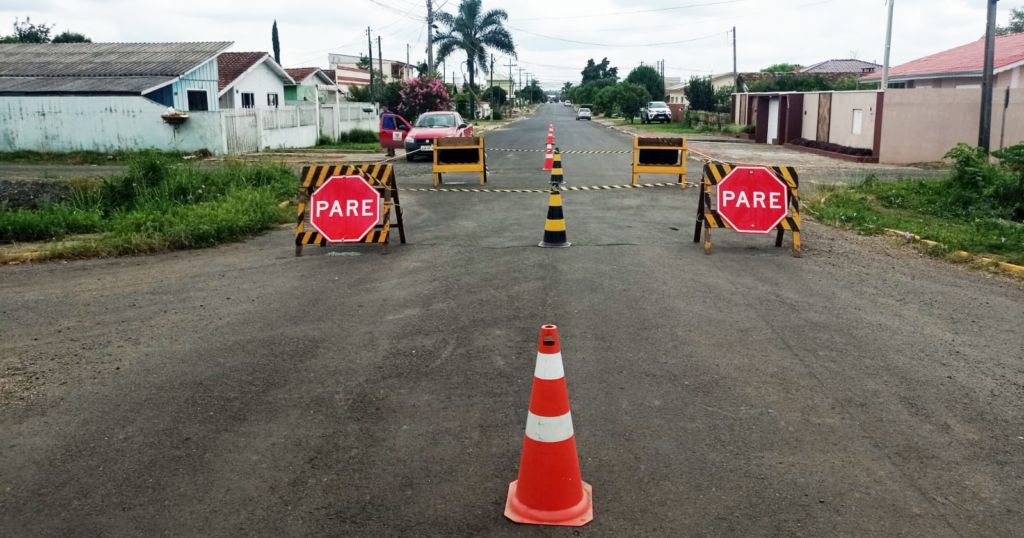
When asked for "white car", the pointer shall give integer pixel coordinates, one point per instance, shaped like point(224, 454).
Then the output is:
point(656, 111)
point(583, 114)
point(568, 103)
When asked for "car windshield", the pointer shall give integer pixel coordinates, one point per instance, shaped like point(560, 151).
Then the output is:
point(436, 120)
point(587, 110)
point(658, 104)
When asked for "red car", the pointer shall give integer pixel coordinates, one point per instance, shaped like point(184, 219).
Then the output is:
point(434, 125)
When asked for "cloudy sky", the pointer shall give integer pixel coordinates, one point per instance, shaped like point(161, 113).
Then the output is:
point(554, 39)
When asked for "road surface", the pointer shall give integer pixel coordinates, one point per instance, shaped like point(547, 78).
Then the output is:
point(862, 390)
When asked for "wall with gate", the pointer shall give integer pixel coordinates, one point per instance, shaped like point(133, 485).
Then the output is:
point(344, 116)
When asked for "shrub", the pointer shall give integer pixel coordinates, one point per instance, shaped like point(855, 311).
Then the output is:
point(424, 95)
point(834, 148)
point(977, 184)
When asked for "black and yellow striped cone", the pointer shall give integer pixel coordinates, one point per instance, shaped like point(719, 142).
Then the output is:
point(554, 227)
point(556, 169)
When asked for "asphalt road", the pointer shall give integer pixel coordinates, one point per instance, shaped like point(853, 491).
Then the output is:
point(861, 390)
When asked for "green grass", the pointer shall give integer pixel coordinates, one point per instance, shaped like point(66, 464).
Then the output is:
point(922, 207)
point(159, 204)
point(358, 146)
point(79, 157)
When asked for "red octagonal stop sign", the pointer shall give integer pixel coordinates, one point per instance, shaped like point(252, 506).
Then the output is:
point(752, 199)
point(344, 209)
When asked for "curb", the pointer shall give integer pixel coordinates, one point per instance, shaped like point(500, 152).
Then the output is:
point(963, 255)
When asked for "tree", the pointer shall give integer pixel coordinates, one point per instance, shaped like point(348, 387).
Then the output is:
point(604, 101)
point(649, 78)
point(422, 95)
point(779, 68)
point(26, 32)
point(473, 32)
point(359, 94)
point(701, 93)
point(630, 98)
point(1016, 23)
point(595, 72)
point(364, 62)
point(792, 83)
point(276, 43)
point(723, 98)
point(496, 95)
point(71, 37)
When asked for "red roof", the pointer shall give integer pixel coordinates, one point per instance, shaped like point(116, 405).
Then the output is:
point(301, 73)
point(231, 65)
point(968, 58)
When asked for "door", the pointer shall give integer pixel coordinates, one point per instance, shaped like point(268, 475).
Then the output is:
point(773, 120)
point(824, 116)
point(393, 129)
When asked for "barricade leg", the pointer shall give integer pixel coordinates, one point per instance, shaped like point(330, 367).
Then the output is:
point(700, 217)
point(778, 238)
point(797, 250)
point(707, 238)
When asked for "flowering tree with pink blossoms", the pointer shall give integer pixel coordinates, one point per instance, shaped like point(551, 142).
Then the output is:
point(421, 95)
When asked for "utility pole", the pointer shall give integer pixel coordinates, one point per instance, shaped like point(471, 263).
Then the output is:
point(369, 42)
point(511, 85)
point(380, 64)
point(407, 58)
point(987, 82)
point(735, 72)
point(491, 87)
point(520, 85)
point(430, 39)
point(888, 44)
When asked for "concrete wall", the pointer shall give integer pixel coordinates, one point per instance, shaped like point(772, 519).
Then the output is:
point(101, 123)
point(809, 128)
point(293, 137)
point(262, 80)
point(841, 127)
point(922, 125)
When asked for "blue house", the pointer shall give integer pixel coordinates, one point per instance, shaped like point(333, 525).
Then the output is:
point(179, 75)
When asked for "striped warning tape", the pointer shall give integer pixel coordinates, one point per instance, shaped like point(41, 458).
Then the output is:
point(564, 188)
point(567, 152)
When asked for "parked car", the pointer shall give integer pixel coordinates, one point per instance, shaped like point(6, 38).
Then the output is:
point(431, 126)
point(568, 103)
point(655, 111)
point(583, 114)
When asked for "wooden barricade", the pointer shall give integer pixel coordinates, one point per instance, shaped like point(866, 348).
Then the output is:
point(710, 218)
point(380, 176)
point(659, 156)
point(465, 154)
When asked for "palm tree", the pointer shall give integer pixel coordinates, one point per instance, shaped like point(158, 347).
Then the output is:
point(473, 32)
point(565, 89)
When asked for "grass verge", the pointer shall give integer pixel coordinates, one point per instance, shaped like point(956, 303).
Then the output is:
point(158, 204)
point(81, 157)
point(357, 146)
point(678, 128)
point(921, 207)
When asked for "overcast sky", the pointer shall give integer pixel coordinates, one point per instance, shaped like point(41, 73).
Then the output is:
point(692, 39)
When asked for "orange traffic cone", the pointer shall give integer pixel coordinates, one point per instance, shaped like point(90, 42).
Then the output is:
point(549, 490)
point(549, 159)
point(551, 133)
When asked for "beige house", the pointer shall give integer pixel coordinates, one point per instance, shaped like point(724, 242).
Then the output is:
point(393, 70)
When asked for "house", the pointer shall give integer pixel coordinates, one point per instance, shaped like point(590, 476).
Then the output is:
point(676, 93)
point(503, 83)
point(393, 70)
point(841, 67)
point(310, 82)
point(251, 80)
point(348, 77)
point(178, 75)
point(961, 67)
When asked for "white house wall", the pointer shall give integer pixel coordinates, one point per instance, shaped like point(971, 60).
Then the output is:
point(101, 123)
point(260, 81)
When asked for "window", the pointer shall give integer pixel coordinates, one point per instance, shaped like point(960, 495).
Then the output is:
point(197, 100)
point(272, 100)
point(248, 100)
point(858, 120)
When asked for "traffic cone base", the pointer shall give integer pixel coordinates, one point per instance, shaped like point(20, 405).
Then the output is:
point(577, 516)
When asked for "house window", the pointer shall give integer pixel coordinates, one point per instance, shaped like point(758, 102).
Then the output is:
point(197, 100)
point(272, 100)
point(858, 120)
point(248, 100)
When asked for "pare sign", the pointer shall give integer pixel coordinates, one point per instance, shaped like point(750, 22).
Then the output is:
point(345, 209)
point(752, 199)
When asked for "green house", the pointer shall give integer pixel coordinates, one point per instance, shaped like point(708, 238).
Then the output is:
point(306, 81)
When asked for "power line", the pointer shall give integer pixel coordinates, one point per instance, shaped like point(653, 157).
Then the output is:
point(631, 12)
point(617, 45)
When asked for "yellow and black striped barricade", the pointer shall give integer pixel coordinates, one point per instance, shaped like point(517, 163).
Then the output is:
point(465, 154)
point(707, 212)
point(659, 156)
point(380, 176)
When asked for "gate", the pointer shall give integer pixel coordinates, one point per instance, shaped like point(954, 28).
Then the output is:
point(241, 131)
point(824, 116)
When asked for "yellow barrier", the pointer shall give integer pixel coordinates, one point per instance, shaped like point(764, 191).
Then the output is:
point(659, 156)
point(459, 155)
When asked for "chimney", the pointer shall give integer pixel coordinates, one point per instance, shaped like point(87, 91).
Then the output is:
point(796, 68)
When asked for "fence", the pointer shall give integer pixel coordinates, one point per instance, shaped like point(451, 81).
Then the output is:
point(700, 118)
point(241, 131)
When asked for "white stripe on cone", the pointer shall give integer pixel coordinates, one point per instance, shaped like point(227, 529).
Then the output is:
point(549, 429)
point(549, 366)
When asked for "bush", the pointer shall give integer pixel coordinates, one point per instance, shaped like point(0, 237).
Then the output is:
point(357, 136)
point(978, 184)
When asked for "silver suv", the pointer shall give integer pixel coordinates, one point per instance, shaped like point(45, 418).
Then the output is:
point(655, 111)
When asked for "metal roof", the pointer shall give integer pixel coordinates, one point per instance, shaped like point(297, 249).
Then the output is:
point(105, 59)
point(107, 85)
point(840, 66)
